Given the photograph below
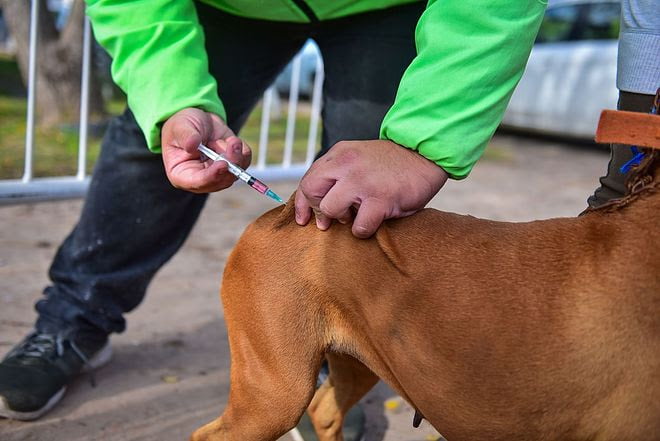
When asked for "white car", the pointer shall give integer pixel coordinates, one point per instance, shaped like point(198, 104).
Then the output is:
point(571, 73)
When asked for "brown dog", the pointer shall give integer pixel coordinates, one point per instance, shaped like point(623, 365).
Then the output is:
point(547, 330)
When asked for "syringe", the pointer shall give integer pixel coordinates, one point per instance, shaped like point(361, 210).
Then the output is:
point(240, 173)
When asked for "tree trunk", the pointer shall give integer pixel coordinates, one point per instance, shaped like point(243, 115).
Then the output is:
point(59, 60)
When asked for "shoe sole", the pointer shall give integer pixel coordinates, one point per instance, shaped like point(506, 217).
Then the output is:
point(100, 359)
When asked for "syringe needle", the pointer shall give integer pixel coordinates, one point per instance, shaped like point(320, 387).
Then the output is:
point(240, 173)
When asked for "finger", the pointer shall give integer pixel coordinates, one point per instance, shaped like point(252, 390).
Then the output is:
point(369, 217)
point(233, 150)
point(303, 209)
point(190, 130)
point(192, 177)
point(217, 176)
point(220, 128)
point(338, 203)
point(322, 221)
point(313, 188)
point(187, 139)
point(238, 152)
point(246, 155)
point(315, 185)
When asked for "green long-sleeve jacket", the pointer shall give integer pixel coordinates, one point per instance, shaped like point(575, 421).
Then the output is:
point(470, 56)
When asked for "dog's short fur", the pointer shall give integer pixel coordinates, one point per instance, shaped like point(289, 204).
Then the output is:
point(546, 330)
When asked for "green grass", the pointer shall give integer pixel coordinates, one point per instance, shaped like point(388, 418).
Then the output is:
point(10, 79)
point(56, 148)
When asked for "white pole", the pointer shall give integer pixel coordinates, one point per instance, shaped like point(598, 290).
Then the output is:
point(291, 117)
point(32, 91)
point(84, 99)
point(316, 111)
point(265, 126)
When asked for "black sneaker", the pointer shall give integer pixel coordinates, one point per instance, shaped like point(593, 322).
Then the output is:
point(35, 374)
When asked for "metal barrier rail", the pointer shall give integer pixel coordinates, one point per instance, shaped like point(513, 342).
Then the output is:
point(29, 188)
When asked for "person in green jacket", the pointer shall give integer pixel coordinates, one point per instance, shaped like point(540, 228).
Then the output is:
point(413, 92)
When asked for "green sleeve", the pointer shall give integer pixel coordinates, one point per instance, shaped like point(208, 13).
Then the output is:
point(159, 59)
point(470, 56)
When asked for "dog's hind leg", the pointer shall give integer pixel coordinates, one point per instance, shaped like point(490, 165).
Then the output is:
point(348, 381)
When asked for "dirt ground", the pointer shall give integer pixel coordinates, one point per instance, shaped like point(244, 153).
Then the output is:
point(169, 373)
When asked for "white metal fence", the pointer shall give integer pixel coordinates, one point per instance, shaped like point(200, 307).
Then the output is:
point(31, 188)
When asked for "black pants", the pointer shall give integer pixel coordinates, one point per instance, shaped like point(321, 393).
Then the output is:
point(133, 220)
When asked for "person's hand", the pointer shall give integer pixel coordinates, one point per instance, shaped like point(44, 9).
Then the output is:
point(373, 180)
point(180, 136)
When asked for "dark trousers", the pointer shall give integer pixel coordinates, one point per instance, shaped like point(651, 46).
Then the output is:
point(133, 220)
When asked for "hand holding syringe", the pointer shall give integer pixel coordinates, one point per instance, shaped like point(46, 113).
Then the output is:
point(240, 173)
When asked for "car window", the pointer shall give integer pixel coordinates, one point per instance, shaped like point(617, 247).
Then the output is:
point(601, 21)
point(558, 24)
point(585, 21)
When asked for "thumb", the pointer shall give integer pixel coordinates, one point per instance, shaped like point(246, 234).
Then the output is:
point(188, 128)
point(189, 139)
